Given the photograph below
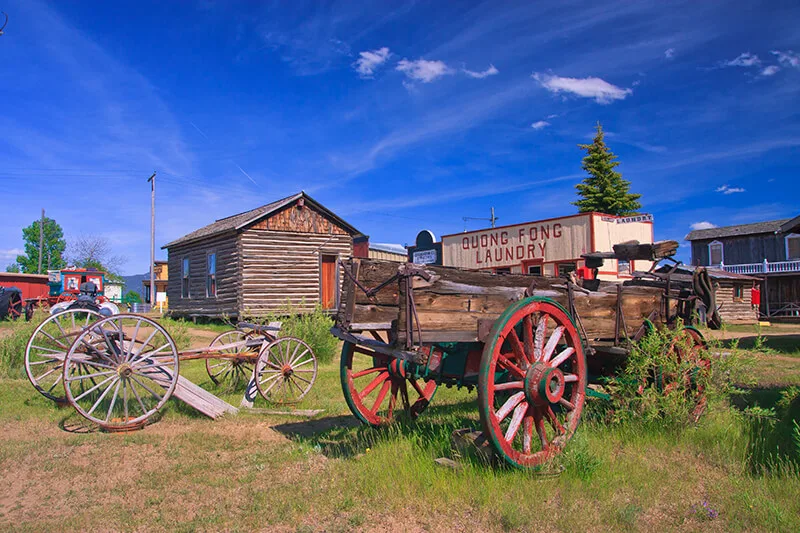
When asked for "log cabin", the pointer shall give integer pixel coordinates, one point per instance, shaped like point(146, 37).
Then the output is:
point(278, 258)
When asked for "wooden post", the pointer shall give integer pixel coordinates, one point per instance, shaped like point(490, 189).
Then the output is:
point(152, 180)
point(41, 242)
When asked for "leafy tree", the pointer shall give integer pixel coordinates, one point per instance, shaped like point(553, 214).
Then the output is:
point(132, 297)
point(92, 251)
point(13, 267)
point(604, 190)
point(52, 251)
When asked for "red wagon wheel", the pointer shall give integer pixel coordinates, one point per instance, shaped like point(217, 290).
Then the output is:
point(286, 370)
point(532, 381)
point(230, 369)
point(373, 382)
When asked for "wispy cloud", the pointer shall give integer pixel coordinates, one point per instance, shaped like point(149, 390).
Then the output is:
point(540, 124)
point(491, 71)
point(669, 53)
point(703, 225)
point(771, 70)
point(423, 70)
point(370, 60)
point(745, 59)
point(787, 58)
point(598, 89)
point(724, 189)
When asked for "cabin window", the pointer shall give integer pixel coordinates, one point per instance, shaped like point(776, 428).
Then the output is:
point(185, 277)
point(623, 268)
point(211, 275)
point(793, 246)
point(566, 268)
point(502, 270)
point(738, 293)
point(715, 255)
point(536, 270)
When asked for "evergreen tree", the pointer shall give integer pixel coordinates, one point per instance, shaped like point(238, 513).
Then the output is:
point(52, 251)
point(604, 190)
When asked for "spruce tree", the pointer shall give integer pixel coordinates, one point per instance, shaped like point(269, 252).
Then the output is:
point(604, 190)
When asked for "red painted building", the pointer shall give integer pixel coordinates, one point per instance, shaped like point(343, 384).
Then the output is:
point(31, 285)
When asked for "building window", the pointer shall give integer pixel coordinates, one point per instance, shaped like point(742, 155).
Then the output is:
point(502, 270)
point(715, 255)
point(185, 277)
point(211, 275)
point(738, 293)
point(623, 268)
point(536, 270)
point(792, 246)
point(566, 268)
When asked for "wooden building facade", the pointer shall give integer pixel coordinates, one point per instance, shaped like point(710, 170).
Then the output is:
point(278, 258)
point(769, 251)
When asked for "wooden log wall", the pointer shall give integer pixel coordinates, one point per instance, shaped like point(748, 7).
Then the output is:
point(198, 304)
point(282, 268)
point(450, 306)
point(736, 310)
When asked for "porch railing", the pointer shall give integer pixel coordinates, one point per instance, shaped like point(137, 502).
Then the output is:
point(764, 267)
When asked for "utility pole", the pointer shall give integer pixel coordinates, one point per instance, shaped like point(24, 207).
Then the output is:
point(41, 242)
point(493, 219)
point(152, 180)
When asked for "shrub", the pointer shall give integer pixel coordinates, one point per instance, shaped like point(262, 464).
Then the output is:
point(313, 328)
point(774, 435)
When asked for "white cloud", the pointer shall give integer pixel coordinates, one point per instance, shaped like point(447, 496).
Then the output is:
point(539, 125)
point(770, 70)
point(423, 70)
point(368, 61)
point(787, 58)
point(491, 71)
point(703, 225)
point(724, 189)
point(552, 116)
point(745, 59)
point(10, 255)
point(600, 90)
point(669, 53)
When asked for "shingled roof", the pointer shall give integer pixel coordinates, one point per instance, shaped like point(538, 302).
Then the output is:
point(771, 226)
point(241, 220)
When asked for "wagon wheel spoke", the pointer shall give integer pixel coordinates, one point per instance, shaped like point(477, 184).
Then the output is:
point(538, 341)
point(278, 360)
point(518, 349)
point(404, 397)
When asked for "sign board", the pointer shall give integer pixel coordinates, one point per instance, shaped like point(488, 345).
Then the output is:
point(635, 218)
point(161, 297)
point(424, 257)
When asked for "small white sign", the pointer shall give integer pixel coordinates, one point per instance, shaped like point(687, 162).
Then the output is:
point(161, 297)
point(424, 257)
point(635, 218)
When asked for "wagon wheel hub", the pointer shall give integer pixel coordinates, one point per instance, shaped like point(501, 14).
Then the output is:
point(124, 370)
point(287, 371)
point(544, 384)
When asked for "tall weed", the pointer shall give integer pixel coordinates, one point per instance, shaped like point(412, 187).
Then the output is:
point(774, 435)
point(12, 345)
point(313, 328)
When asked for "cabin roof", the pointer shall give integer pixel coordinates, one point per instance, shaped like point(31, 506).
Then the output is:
point(791, 225)
point(771, 226)
point(388, 247)
point(242, 220)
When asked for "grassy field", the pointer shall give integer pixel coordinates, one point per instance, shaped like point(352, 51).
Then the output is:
point(287, 473)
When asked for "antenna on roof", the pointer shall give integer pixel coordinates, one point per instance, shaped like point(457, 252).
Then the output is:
point(493, 219)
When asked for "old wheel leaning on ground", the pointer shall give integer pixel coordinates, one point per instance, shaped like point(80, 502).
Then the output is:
point(47, 349)
point(286, 370)
point(532, 381)
point(372, 384)
point(133, 370)
point(230, 369)
point(689, 350)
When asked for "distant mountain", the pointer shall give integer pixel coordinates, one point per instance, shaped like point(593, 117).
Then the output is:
point(134, 283)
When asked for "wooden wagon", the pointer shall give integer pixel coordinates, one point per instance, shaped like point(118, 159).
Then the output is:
point(119, 371)
point(531, 345)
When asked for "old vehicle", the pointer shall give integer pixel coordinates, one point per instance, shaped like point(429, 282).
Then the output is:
point(10, 303)
point(118, 371)
point(530, 345)
point(68, 285)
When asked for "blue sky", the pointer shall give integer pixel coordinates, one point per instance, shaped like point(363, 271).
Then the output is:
point(397, 116)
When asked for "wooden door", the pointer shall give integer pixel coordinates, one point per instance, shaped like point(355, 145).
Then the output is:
point(328, 282)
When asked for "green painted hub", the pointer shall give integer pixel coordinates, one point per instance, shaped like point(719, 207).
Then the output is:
point(544, 384)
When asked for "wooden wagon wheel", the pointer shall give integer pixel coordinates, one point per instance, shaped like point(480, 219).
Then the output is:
point(47, 349)
point(372, 383)
point(688, 349)
point(133, 364)
point(286, 370)
point(230, 370)
point(532, 381)
point(15, 307)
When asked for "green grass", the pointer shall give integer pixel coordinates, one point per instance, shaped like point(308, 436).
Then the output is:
point(257, 472)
